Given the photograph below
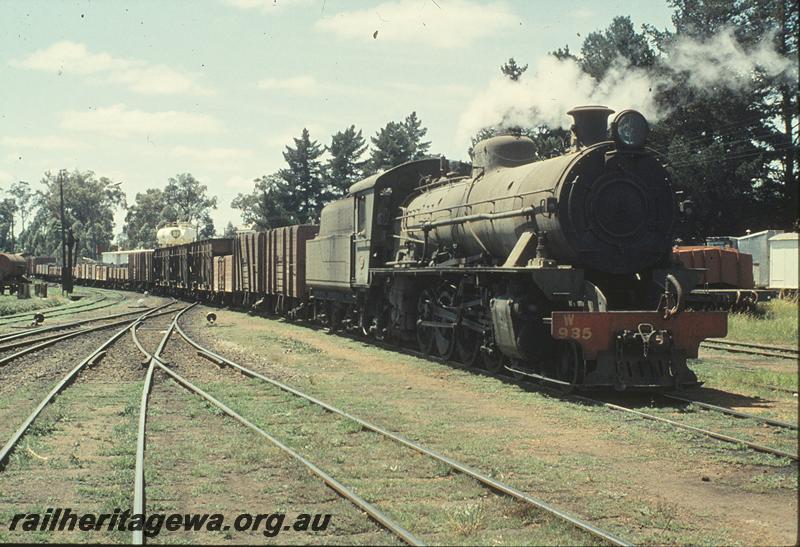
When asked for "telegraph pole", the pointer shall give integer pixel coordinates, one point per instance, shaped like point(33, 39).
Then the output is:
point(66, 269)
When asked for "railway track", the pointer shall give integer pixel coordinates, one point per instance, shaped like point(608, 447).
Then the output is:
point(730, 411)
point(66, 309)
point(766, 350)
point(68, 378)
point(679, 425)
point(6, 341)
point(708, 433)
point(538, 385)
point(486, 481)
point(155, 363)
point(139, 488)
point(48, 341)
point(139, 485)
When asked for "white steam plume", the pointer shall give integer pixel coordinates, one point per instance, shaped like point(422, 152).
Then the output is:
point(721, 61)
point(546, 92)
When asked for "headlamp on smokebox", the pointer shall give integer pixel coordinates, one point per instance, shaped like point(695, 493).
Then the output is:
point(629, 129)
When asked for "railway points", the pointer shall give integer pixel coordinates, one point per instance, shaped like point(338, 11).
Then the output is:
point(484, 479)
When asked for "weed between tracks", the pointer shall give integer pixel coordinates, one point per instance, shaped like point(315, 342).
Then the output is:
point(199, 460)
point(620, 472)
point(751, 376)
point(425, 496)
point(80, 454)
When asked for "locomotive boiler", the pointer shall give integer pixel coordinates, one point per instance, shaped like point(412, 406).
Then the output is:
point(606, 207)
point(559, 269)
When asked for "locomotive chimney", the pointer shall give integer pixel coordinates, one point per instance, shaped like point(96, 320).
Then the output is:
point(591, 125)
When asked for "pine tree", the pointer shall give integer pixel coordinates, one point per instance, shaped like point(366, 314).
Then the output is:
point(304, 179)
point(398, 143)
point(345, 165)
point(513, 70)
point(415, 132)
point(619, 41)
point(733, 149)
point(390, 147)
point(230, 230)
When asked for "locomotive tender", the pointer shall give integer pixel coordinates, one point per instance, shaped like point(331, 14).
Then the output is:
point(559, 269)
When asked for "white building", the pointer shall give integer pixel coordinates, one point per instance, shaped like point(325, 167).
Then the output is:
point(757, 246)
point(783, 259)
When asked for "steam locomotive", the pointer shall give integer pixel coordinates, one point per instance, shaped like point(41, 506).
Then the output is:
point(559, 270)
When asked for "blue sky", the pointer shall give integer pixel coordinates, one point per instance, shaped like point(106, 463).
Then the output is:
point(141, 91)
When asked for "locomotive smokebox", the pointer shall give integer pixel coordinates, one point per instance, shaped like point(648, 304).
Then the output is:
point(591, 124)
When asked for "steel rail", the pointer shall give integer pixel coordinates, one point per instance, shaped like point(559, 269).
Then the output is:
point(731, 412)
point(59, 338)
point(335, 485)
point(477, 475)
point(725, 346)
point(65, 381)
point(771, 347)
point(61, 326)
point(138, 486)
point(714, 434)
point(706, 432)
point(18, 316)
point(342, 490)
point(68, 310)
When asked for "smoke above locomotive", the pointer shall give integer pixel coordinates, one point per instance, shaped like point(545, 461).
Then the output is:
point(608, 205)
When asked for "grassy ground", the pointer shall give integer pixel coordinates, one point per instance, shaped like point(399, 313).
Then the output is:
point(776, 323)
point(436, 504)
point(10, 304)
point(199, 460)
point(80, 454)
point(738, 374)
point(645, 481)
point(641, 480)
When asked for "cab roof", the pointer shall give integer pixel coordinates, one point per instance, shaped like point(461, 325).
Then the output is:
point(406, 175)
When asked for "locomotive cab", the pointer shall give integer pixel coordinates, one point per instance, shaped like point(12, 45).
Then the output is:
point(357, 232)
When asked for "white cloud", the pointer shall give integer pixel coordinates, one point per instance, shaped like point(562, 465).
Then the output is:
point(211, 155)
point(303, 85)
point(118, 120)
point(71, 58)
point(67, 57)
point(445, 91)
point(42, 143)
point(286, 137)
point(5, 178)
point(240, 183)
point(266, 5)
point(582, 13)
point(455, 23)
